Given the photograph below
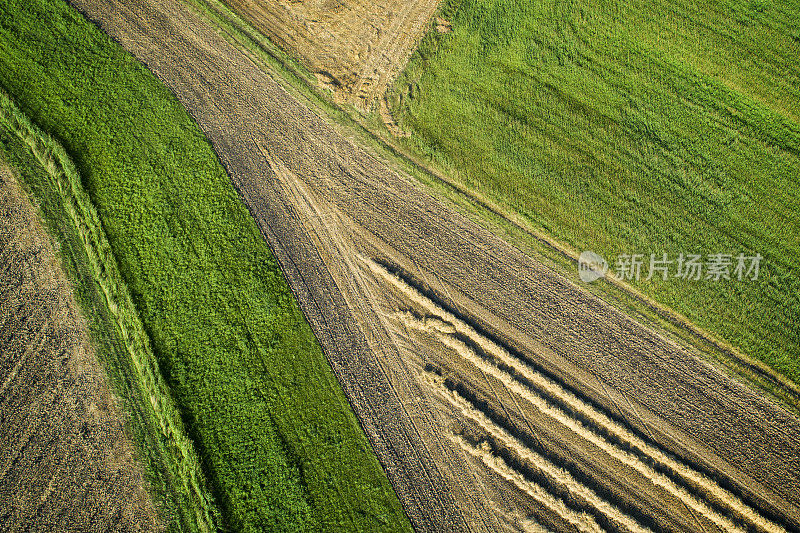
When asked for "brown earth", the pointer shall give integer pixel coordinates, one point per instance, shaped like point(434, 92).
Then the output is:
point(497, 394)
point(65, 461)
point(354, 47)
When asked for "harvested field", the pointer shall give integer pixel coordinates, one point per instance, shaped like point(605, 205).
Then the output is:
point(65, 461)
point(497, 394)
point(354, 47)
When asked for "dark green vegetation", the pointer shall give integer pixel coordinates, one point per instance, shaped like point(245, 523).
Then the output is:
point(278, 441)
point(641, 127)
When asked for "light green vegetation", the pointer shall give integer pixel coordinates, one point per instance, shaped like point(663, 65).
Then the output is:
point(632, 127)
point(276, 438)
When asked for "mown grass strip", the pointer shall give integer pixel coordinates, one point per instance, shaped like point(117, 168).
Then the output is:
point(193, 502)
point(278, 441)
point(133, 406)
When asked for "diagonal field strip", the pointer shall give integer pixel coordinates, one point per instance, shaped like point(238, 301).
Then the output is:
point(539, 462)
point(390, 217)
point(447, 324)
point(582, 521)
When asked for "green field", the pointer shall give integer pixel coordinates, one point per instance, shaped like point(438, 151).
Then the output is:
point(632, 127)
point(277, 439)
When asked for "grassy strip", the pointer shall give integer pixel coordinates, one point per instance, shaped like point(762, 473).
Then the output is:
point(278, 441)
point(444, 180)
point(184, 480)
point(626, 128)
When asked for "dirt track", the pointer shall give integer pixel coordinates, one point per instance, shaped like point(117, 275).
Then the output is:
point(65, 462)
point(497, 394)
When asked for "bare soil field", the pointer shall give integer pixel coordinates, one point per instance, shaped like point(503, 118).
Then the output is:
point(65, 461)
point(497, 394)
point(354, 47)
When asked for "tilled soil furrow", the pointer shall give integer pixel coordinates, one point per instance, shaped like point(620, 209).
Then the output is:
point(582, 521)
point(561, 476)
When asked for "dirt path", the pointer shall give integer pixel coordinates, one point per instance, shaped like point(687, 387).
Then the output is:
point(497, 394)
point(65, 462)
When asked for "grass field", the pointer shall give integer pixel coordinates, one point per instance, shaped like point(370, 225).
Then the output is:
point(278, 441)
point(632, 128)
